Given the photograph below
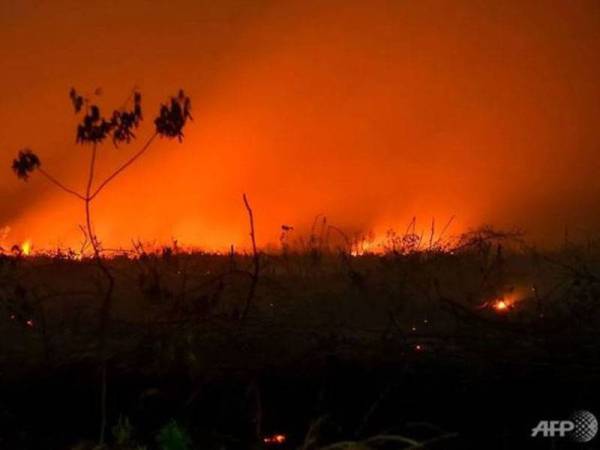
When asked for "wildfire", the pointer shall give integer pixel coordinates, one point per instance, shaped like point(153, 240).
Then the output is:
point(276, 439)
point(26, 247)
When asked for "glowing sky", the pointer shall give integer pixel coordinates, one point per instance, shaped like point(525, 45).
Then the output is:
point(369, 112)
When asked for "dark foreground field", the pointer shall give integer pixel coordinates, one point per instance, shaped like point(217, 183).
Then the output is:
point(459, 349)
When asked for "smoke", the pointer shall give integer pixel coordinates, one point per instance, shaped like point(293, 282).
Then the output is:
point(368, 113)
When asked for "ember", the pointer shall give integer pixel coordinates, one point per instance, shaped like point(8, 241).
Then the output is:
point(503, 305)
point(276, 439)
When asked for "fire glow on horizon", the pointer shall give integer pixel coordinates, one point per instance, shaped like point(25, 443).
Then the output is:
point(370, 114)
point(26, 248)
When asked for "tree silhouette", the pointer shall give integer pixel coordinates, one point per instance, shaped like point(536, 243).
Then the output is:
point(172, 118)
point(93, 130)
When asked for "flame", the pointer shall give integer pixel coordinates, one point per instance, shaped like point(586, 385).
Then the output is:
point(507, 301)
point(363, 249)
point(403, 120)
point(501, 305)
point(26, 247)
point(276, 439)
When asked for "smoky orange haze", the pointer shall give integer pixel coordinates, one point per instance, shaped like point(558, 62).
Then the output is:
point(368, 112)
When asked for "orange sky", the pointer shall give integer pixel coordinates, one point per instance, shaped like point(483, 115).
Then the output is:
point(369, 112)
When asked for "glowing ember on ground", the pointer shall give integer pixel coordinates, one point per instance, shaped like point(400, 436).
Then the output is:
point(502, 305)
point(507, 301)
point(276, 439)
point(26, 247)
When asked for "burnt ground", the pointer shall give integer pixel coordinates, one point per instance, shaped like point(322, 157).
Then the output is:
point(335, 352)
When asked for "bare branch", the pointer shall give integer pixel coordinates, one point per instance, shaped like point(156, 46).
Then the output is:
point(125, 165)
point(60, 185)
point(88, 217)
point(251, 218)
point(255, 259)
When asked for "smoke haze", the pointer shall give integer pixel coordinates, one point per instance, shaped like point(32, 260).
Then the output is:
point(368, 112)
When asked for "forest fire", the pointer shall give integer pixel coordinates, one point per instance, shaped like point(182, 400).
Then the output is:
point(342, 173)
point(316, 224)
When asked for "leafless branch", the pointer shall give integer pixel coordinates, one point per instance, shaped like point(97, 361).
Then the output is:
point(60, 185)
point(124, 166)
point(255, 259)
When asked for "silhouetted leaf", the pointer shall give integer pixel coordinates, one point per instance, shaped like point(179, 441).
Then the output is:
point(94, 128)
point(76, 99)
point(172, 117)
point(25, 163)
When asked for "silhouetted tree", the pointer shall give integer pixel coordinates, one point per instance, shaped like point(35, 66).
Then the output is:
point(93, 130)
